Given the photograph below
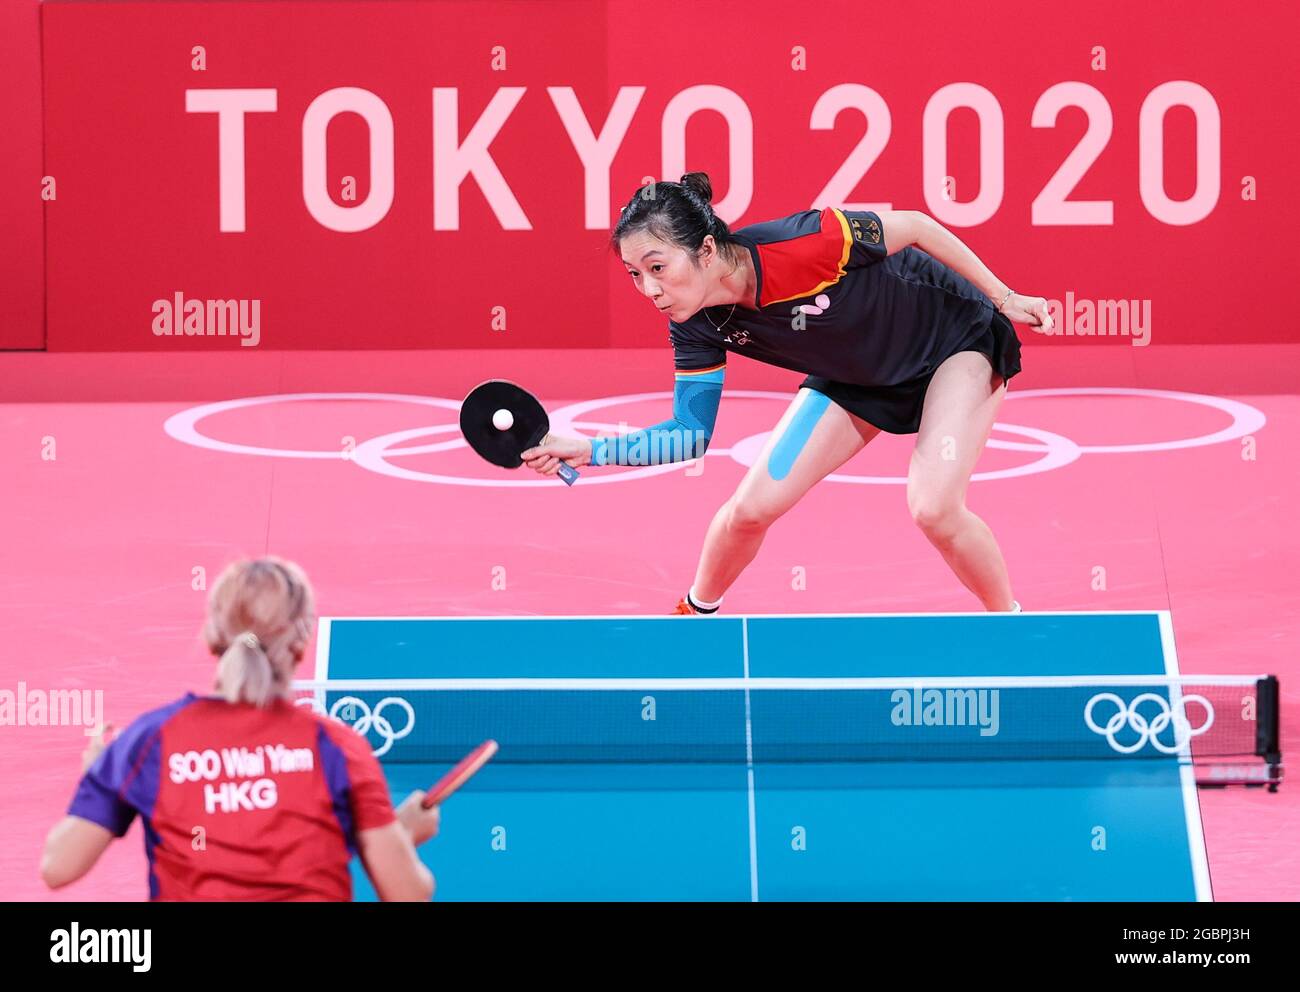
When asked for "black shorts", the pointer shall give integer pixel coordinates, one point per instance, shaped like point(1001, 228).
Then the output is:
point(897, 409)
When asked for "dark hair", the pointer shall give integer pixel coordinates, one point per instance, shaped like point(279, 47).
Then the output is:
point(677, 213)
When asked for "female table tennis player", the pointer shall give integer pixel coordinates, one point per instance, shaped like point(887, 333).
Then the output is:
point(245, 796)
point(909, 340)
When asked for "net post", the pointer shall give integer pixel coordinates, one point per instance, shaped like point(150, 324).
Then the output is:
point(1267, 739)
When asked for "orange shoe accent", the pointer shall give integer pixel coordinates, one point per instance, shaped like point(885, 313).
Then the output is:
point(683, 608)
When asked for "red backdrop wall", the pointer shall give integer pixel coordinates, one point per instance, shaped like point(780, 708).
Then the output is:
point(22, 236)
point(1089, 152)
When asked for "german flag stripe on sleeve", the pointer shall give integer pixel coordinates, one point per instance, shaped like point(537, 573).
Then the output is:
point(693, 372)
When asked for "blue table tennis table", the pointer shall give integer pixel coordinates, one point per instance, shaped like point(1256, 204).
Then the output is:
point(759, 828)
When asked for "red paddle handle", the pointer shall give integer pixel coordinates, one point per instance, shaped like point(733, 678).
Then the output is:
point(460, 774)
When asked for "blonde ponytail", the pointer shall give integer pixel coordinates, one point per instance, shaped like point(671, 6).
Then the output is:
point(260, 616)
point(244, 673)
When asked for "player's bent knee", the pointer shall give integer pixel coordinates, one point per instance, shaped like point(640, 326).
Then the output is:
point(748, 515)
point(938, 519)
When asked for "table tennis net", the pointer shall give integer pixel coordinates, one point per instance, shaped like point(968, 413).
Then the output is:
point(1227, 720)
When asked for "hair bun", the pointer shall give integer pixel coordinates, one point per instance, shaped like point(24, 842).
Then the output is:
point(699, 183)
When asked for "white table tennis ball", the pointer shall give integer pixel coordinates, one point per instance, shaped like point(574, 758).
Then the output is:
point(503, 420)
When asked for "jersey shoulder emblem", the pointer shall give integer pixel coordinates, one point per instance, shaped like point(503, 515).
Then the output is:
point(865, 230)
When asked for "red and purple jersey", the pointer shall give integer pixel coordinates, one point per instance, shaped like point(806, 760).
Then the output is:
point(238, 802)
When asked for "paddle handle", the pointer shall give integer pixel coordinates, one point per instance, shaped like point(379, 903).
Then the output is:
point(567, 472)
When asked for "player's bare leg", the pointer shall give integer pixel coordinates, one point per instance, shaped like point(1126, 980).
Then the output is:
point(813, 438)
point(960, 406)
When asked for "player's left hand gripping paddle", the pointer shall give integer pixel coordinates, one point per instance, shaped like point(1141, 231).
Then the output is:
point(501, 420)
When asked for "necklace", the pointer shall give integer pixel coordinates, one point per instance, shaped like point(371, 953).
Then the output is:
point(718, 327)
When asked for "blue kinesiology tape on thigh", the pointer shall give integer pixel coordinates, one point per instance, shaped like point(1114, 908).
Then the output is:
point(796, 434)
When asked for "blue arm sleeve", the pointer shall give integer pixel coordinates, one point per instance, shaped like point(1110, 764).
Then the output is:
point(686, 436)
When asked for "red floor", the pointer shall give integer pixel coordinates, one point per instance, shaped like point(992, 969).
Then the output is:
point(100, 543)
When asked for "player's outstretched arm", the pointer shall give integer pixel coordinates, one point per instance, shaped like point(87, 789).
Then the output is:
point(685, 436)
point(911, 227)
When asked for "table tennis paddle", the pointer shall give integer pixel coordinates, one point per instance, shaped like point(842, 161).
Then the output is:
point(460, 774)
point(504, 447)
